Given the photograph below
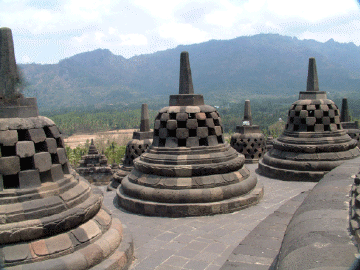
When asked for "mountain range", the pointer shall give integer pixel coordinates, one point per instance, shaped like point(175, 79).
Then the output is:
point(222, 70)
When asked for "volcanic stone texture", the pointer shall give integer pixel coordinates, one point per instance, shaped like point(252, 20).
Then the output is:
point(249, 141)
point(50, 218)
point(313, 142)
point(188, 170)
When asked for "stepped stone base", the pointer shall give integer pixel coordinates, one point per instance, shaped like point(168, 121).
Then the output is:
point(152, 208)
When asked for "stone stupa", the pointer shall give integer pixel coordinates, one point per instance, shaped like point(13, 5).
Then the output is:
point(94, 167)
point(313, 142)
point(50, 217)
point(140, 142)
point(189, 170)
point(248, 138)
point(352, 128)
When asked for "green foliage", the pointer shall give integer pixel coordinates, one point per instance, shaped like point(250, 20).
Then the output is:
point(113, 151)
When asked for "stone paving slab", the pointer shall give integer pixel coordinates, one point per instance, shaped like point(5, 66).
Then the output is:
point(202, 242)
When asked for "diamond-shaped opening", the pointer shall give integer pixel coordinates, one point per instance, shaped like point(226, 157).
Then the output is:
point(326, 127)
point(48, 132)
point(296, 127)
point(172, 133)
point(310, 128)
point(162, 124)
point(192, 132)
point(55, 159)
point(325, 113)
point(156, 132)
point(27, 163)
point(192, 116)
point(172, 115)
point(203, 142)
point(336, 112)
point(318, 121)
point(317, 106)
point(11, 181)
point(216, 122)
point(181, 124)
point(311, 113)
point(297, 113)
point(23, 135)
point(7, 151)
point(303, 121)
point(60, 143)
point(45, 177)
point(201, 123)
point(181, 142)
point(220, 139)
point(41, 147)
point(162, 142)
point(332, 120)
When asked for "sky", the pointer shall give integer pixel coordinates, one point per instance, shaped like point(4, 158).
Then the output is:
point(47, 31)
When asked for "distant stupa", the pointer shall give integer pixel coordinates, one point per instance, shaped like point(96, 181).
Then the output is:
point(140, 142)
point(188, 170)
point(352, 128)
point(313, 142)
point(248, 139)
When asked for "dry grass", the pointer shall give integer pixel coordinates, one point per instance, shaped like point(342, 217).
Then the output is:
point(121, 137)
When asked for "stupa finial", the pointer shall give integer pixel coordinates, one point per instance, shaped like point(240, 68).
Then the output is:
point(185, 85)
point(344, 116)
point(247, 114)
point(312, 79)
point(145, 124)
point(9, 76)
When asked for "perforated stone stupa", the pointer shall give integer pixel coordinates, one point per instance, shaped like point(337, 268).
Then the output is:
point(352, 128)
point(94, 167)
point(248, 139)
point(50, 217)
point(313, 142)
point(189, 170)
point(140, 142)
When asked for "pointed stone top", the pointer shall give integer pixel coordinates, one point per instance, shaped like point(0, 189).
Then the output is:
point(312, 79)
point(247, 121)
point(185, 85)
point(145, 122)
point(92, 149)
point(92, 142)
point(344, 117)
point(8, 72)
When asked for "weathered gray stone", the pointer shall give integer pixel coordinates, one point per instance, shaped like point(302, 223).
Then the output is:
point(42, 161)
point(25, 149)
point(8, 137)
point(9, 165)
point(29, 179)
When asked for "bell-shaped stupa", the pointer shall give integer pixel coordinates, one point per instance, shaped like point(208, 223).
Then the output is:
point(352, 128)
point(313, 142)
point(140, 142)
point(189, 170)
point(50, 217)
point(248, 139)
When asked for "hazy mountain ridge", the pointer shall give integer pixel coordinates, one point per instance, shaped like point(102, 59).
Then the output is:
point(266, 64)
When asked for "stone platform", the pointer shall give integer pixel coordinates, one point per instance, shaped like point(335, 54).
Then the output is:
point(201, 242)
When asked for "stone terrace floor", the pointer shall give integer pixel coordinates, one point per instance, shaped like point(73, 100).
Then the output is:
point(204, 242)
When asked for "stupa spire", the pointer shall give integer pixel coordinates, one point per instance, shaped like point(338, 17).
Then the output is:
point(185, 84)
point(144, 124)
point(247, 113)
point(344, 116)
point(312, 79)
point(8, 72)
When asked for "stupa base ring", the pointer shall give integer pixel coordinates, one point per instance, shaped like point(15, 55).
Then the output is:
point(290, 175)
point(151, 208)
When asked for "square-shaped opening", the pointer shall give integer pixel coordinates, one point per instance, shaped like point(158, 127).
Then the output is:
point(27, 163)
point(8, 151)
point(182, 142)
point(11, 181)
point(203, 142)
point(23, 135)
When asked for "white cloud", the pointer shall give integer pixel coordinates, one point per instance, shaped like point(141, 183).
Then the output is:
point(183, 33)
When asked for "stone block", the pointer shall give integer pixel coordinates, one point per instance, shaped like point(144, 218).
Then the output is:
point(303, 114)
point(61, 155)
point(310, 121)
point(37, 135)
point(319, 113)
point(218, 130)
point(171, 124)
point(29, 179)
point(157, 124)
point(201, 116)
point(319, 128)
point(16, 253)
point(212, 140)
point(58, 243)
point(163, 133)
point(42, 161)
point(192, 142)
point(214, 115)
point(9, 165)
point(202, 132)
point(51, 145)
point(182, 133)
point(8, 137)
point(332, 113)
point(182, 116)
point(56, 172)
point(165, 117)
point(324, 107)
point(191, 124)
point(326, 120)
point(209, 122)
point(54, 132)
point(25, 149)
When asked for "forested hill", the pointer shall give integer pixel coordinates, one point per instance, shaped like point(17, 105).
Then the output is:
point(223, 70)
